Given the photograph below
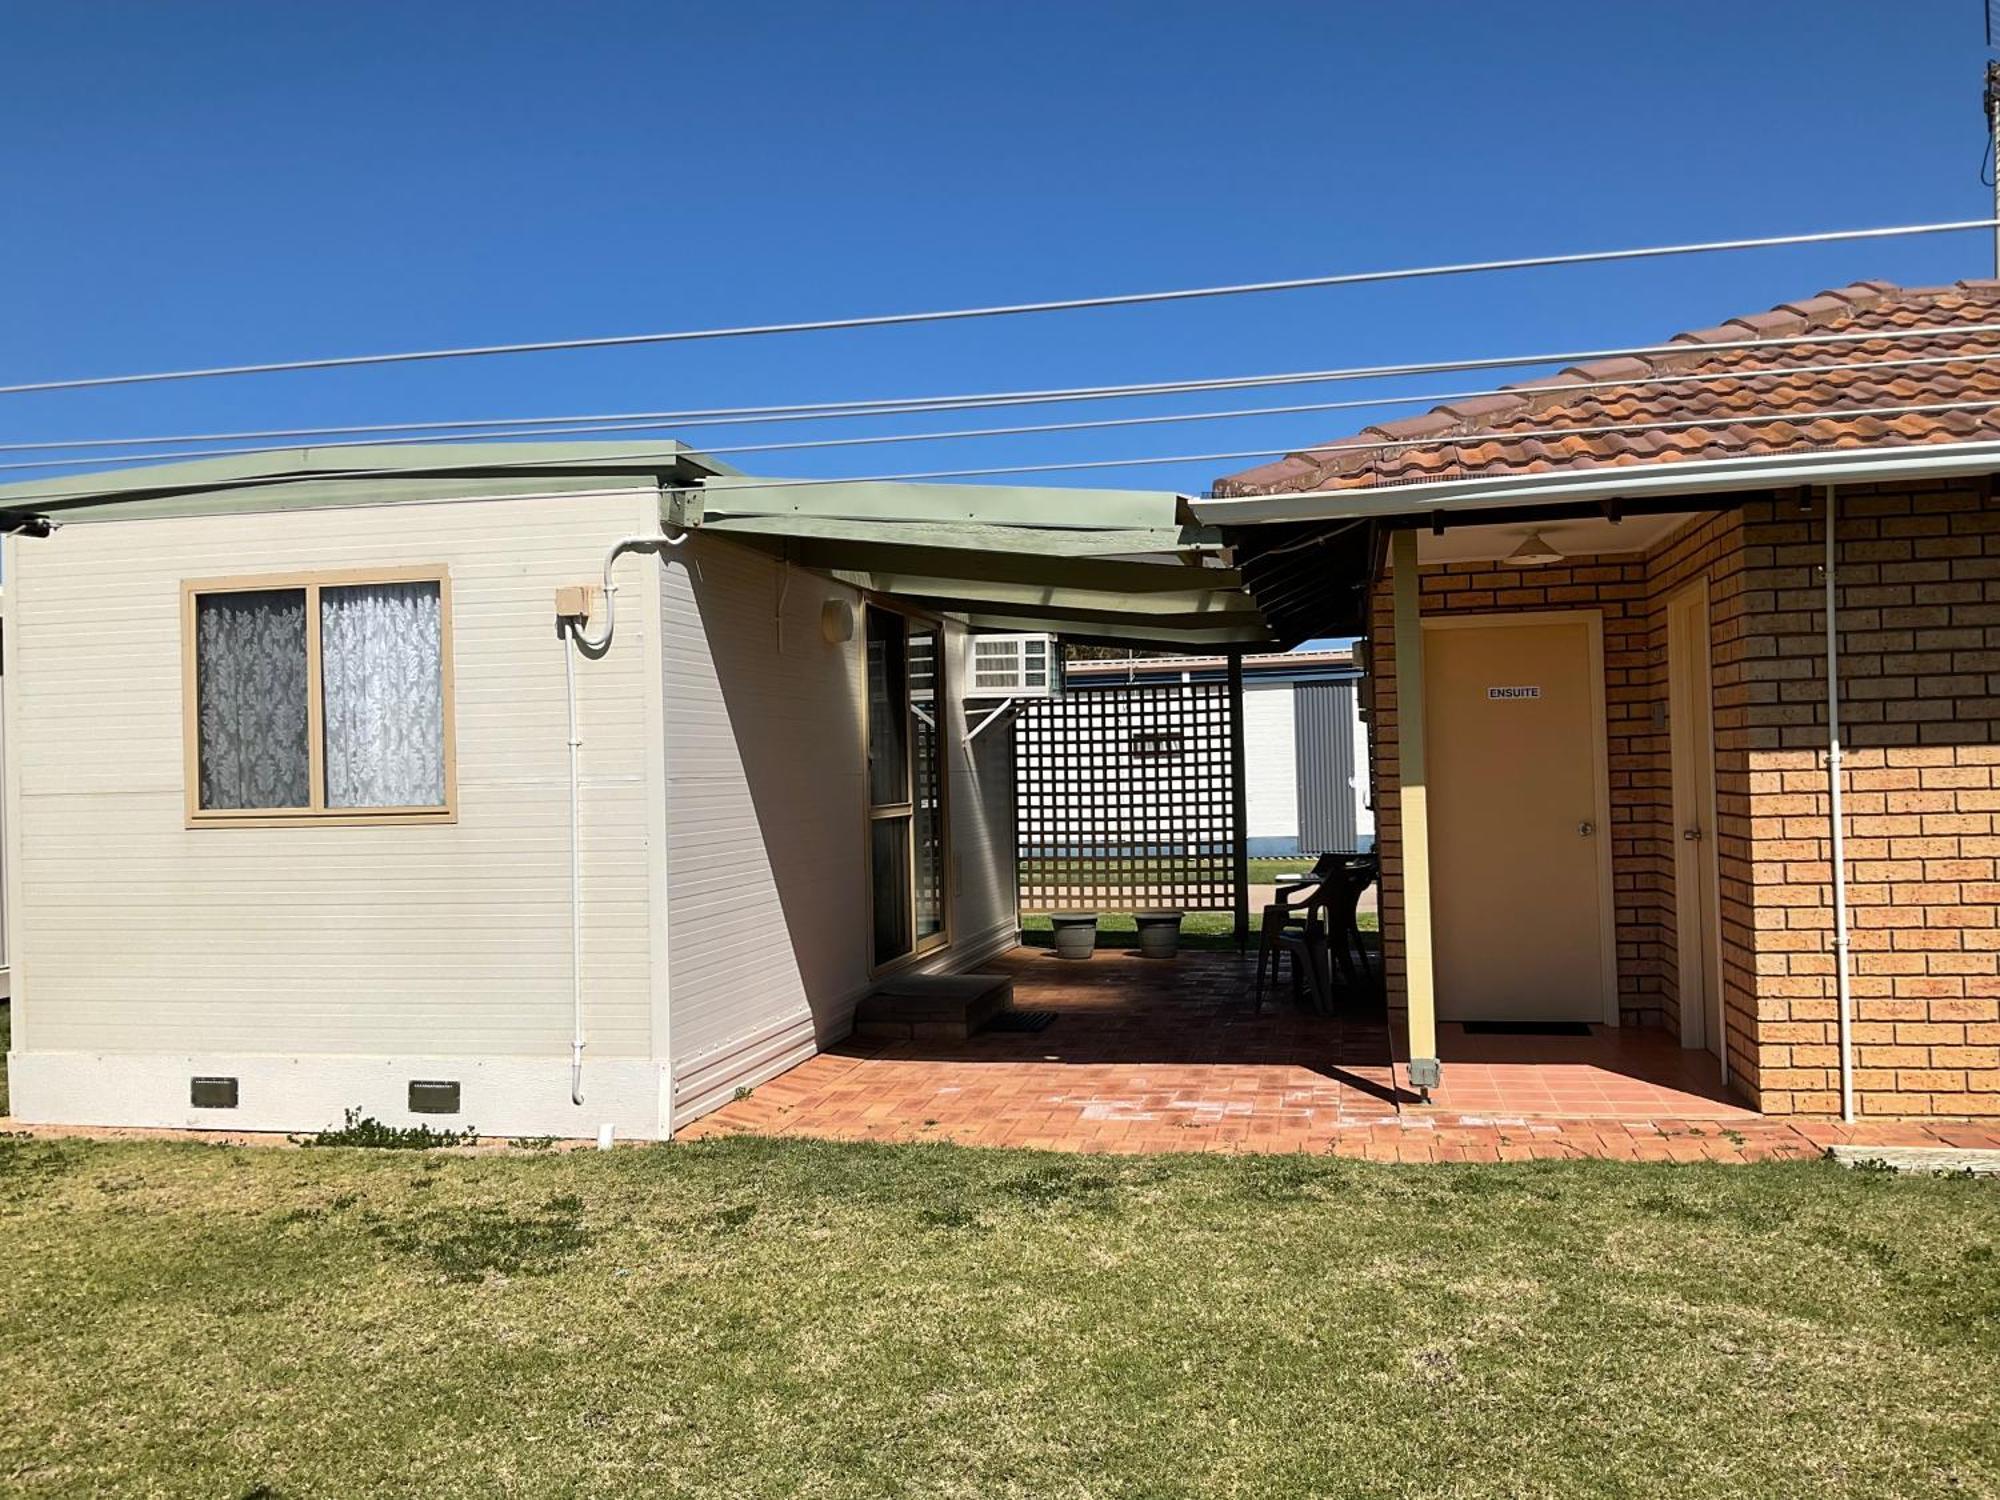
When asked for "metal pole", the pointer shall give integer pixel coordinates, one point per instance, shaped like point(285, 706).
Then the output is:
point(1993, 129)
point(1239, 801)
point(1838, 871)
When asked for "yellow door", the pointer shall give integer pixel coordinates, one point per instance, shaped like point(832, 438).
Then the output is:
point(1514, 713)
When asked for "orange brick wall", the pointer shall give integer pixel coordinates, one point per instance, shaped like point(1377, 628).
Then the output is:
point(1920, 612)
point(1919, 577)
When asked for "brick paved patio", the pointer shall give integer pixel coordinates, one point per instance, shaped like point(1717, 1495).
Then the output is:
point(1151, 1056)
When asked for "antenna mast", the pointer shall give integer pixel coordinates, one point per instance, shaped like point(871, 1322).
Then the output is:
point(1992, 107)
point(1993, 134)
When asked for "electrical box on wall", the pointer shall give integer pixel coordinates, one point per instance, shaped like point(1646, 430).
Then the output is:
point(575, 601)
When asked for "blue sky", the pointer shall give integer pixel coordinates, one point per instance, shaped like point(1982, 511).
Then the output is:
point(213, 183)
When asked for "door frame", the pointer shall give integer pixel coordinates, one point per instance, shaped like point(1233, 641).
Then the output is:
point(1697, 686)
point(919, 950)
point(1593, 622)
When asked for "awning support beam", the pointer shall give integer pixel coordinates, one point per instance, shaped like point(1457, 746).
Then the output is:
point(1413, 799)
point(1239, 799)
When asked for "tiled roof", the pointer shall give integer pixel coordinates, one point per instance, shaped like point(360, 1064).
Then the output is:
point(1510, 433)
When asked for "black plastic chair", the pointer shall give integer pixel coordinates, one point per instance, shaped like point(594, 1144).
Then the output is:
point(1344, 889)
point(1294, 908)
point(1315, 921)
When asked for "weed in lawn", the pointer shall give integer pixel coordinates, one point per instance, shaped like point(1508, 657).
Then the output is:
point(367, 1131)
point(736, 1216)
point(1284, 1179)
point(470, 1244)
point(28, 1165)
point(1060, 1185)
point(949, 1216)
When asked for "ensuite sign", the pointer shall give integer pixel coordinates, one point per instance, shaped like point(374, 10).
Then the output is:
point(1500, 694)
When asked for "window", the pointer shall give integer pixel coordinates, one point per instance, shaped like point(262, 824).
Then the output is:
point(319, 697)
point(906, 785)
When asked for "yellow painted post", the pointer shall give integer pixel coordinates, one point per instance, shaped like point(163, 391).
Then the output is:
point(1414, 800)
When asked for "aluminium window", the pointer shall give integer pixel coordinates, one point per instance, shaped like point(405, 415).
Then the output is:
point(319, 697)
point(906, 786)
point(1157, 744)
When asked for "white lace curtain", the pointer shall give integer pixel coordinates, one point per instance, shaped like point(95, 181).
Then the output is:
point(382, 666)
point(382, 675)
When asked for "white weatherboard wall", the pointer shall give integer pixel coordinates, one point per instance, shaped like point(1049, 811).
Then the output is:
point(326, 967)
point(767, 884)
point(1271, 771)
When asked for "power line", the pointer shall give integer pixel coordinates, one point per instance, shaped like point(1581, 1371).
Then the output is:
point(473, 427)
point(1728, 420)
point(1043, 428)
point(1016, 309)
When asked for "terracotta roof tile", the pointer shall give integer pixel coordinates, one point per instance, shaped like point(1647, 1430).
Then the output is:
point(1521, 431)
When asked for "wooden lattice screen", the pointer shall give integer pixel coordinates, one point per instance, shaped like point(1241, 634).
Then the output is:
point(1124, 800)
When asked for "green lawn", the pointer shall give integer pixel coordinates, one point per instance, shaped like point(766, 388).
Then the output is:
point(1199, 929)
point(1262, 871)
point(754, 1318)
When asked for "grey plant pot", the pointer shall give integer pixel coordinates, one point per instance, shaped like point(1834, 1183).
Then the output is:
point(1075, 933)
point(1159, 933)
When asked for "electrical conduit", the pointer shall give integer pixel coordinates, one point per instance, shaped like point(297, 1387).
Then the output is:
point(573, 633)
point(1843, 998)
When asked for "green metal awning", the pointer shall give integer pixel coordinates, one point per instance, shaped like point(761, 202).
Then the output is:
point(1113, 565)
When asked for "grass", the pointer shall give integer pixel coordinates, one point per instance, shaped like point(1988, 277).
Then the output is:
point(1199, 929)
point(1263, 870)
point(754, 1318)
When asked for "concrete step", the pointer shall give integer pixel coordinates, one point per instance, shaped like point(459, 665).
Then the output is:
point(932, 1007)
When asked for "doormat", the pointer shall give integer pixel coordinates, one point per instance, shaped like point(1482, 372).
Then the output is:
point(1526, 1028)
point(1020, 1020)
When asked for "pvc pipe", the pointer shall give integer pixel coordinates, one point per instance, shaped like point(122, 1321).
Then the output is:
point(575, 879)
point(573, 631)
point(1844, 999)
point(619, 549)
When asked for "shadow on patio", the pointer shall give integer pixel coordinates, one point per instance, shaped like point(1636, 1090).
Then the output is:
point(1151, 1055)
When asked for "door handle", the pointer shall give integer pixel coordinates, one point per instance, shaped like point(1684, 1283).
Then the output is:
point(1585, 829)
point(1692, 834)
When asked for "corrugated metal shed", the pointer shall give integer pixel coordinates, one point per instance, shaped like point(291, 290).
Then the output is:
point(1323, 717)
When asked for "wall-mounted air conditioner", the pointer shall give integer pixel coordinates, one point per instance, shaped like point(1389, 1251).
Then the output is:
point(1014, 666)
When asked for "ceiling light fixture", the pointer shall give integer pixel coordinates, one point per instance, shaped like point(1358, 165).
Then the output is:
point(1533, 552)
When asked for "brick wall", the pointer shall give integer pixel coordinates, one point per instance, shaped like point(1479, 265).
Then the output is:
point(1920, 616)
point(1919, 577)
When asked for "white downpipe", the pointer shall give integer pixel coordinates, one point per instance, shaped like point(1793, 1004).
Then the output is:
point(573, 633)
point(1844, 1000)
point(575, 879)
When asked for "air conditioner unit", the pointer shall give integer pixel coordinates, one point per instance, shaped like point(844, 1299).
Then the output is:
point(1014, 666)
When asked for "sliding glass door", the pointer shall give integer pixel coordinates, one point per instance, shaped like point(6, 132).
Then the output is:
point(906, 785)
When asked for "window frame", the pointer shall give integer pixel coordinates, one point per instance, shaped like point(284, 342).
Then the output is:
point(317, 813)
point(906, 809)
